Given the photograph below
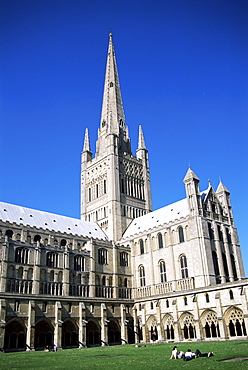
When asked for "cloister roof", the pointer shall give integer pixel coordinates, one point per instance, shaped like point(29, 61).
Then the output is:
point(50, 221)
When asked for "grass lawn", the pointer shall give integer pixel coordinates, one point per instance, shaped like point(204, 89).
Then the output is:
point(129, 357)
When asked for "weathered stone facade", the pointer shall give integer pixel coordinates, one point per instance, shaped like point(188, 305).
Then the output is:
point(122, 271)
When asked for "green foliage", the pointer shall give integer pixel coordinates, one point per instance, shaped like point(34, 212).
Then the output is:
point(129, 357)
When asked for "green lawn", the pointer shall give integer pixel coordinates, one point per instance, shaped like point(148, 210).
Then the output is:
point(129, 357)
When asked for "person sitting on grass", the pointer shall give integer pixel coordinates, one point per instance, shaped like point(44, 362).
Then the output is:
point(175, 354)
point(199, 354)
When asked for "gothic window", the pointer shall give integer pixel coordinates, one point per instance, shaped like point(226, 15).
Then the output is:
point(207, 297)
point(142, 276)
point(97, 191)
point(104, 186)
point(103, 123)
point(102, 256)
point(21, 255)
point(123, 259)
point(162, 269)
point(79, 263)
point(167, 303)
point(141, 243)
point(225, 265)
point(231, 294)
point(111, 84)
point(220, 234)
point(89, 194)
point(9, 234)
point(37, 238)
point(228, 235)
point(234, 267)
point(210, 231)
point(63, 243)
point(216, 265)
point(185, 301)
point(180, 234)
point(52, 259)
point(160, 240)
point(184, 267)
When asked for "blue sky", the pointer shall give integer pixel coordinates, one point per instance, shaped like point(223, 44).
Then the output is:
point(183, 69)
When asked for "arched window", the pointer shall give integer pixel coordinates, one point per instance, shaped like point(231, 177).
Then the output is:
point(63, 243)
point(231, 294)
point(123, 259)
point(234, 267)
point(102, 256)
point(160, 240)
point(21, 255)
point(184, 267)
point(141, 243)
point(185, 301)
point(207, 297)
point(162, 269)
point(180, 234)
point(52, 259)
point(9, 234)
point(215, 263)
point(37, 238)
point(142, 276)
point(79, 263)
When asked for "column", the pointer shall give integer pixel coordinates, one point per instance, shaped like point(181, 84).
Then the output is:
point(124, 336)
point(2, 322)
point(31, 325)
point(104, 324)
point(82, 325)
point(58, 325)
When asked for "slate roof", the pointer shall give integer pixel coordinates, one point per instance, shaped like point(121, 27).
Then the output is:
point(161, 216)
point(49, 221)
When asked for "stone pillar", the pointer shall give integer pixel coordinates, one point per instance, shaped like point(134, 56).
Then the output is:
point(31, 325)
point(82, 325)
point(196, 319)
point(36, 278)
point(66, 273)
point(2, 322)
point(124, 334)
point(135, 325)
point(223, 329)
point(177, 329)
point(104, 324)
point(58, 325)
point(143, 322)
point(158, 316)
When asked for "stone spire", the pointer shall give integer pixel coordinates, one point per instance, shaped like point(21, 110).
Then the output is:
point(141, 142)
point(86, 141)
point(112, 108)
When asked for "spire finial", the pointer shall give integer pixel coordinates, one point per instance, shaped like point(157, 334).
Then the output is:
point(86, 141)
point(209, 183)
point(141, 143)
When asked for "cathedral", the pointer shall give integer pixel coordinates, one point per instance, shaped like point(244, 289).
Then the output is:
point(122, 271)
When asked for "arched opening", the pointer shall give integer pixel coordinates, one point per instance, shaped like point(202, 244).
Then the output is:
point(44, 333)
point(69, 334)
point(114, 333)
point(93, 334)
point(15, 336)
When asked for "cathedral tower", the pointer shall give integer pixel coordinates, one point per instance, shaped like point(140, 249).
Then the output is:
point(115, 185)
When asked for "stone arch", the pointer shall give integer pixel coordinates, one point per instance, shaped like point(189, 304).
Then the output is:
point(93, 333)
point(114, 332)
point(187, 325)
point(168, 327)
point(44, 334)
point(209, 324)
point(234, 319)
point(69, 334)
point(151, 325)
point(15, 335)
